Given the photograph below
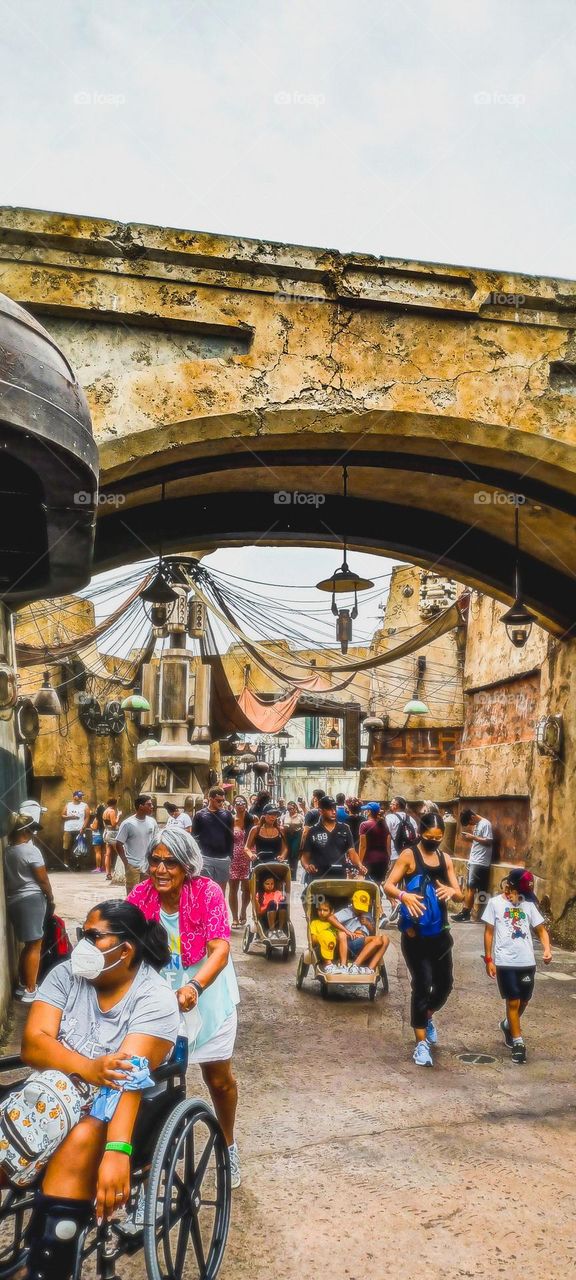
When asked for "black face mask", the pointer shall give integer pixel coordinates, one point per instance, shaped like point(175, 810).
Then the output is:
point(431, 845)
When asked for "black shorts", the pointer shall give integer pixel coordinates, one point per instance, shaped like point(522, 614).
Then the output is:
point(478, 877)
point(516, 984)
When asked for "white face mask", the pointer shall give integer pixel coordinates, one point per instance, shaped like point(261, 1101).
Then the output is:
point(88, 962)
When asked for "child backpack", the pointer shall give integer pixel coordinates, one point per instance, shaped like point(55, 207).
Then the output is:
point(34, 1119)
point(432, 921)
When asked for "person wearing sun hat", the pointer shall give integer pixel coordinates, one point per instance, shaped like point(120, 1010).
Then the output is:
point(28, 893)
point(509, 956)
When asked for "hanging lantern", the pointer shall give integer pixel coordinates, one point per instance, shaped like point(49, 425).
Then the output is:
point(260, 766)
point(46, 701)
point(26, 721)
point(416, 706)
point(518, 620)
point(372, 723)
point(157, 598)
point(333, 737)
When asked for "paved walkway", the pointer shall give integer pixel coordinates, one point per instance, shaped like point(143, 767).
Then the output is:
point(357, 1164)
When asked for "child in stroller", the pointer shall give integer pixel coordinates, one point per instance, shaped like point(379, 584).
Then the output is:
point(272, 908)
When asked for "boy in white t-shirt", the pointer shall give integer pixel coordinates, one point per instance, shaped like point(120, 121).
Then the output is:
point(509, 951)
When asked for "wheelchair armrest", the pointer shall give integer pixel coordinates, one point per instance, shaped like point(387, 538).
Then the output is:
point(176, 1064)
point(11, 1063)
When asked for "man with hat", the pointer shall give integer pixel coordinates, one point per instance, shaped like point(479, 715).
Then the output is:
point(509, 957)
point(28, 893)
point(76, 816)
point(327, 845)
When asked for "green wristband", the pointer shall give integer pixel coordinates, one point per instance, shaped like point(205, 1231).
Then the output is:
point(124, 1147)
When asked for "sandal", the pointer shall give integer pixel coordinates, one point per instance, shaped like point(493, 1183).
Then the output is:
point(235, 924)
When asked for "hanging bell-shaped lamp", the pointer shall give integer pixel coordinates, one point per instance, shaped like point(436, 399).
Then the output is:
point(46, 701)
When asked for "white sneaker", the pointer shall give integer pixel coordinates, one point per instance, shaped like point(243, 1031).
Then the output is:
point(330, 968)
point(28, 997)
point(235, 1174)
point(353, 968)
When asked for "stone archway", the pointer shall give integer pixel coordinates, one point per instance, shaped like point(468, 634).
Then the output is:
point(231, 369)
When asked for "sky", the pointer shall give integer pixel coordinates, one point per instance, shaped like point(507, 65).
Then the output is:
point(438, 130)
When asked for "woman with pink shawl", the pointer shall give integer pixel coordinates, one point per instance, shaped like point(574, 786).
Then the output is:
point(195, 917)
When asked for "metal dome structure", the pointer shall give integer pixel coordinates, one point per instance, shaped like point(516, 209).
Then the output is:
point(49, 465)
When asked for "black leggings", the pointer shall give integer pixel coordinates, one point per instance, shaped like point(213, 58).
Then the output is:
point(429, 961)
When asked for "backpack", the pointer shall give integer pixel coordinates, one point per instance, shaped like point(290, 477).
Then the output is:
point(433, 920)
point(56, 945)
point(34, 1119)
point(406, 835)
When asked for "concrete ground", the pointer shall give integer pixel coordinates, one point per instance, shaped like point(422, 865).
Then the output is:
point(356, 1163)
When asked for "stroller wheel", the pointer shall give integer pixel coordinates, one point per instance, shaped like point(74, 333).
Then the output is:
point(292, 943)
point(384, 979)
point(372, 991)
point(247, 938)
point(301, 972)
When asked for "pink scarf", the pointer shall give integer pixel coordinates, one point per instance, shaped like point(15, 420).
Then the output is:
point(202, 912)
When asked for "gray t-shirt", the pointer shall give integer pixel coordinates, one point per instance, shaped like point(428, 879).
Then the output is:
point(481, 854)
point(19, 878)
point(149, 1007)
point(137, 834)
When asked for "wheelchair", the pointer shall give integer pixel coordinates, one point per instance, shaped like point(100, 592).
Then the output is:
point(180, 1179)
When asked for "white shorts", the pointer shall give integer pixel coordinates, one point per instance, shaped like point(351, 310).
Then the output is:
point(221, 1047)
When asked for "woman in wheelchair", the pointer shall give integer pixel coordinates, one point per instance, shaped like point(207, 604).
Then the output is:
point(92, 1014)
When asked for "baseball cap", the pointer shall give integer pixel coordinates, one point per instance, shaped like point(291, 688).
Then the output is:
point(372, 805)
point(327, 802)
point(523, 881)
point(271, 808)
point(361, 900)
point(77, 793)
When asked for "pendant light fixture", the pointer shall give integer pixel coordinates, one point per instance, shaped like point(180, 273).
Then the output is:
point(46, 701)
point(158, 596)
point(416, 707)
point(343, 581)
point(518, 620)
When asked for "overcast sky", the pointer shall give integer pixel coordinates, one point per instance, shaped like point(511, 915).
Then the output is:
point(439, 130)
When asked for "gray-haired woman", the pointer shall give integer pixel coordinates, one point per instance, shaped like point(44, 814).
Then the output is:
point(193, 911)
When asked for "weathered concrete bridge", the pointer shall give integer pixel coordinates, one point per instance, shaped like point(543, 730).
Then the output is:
point(231, 371)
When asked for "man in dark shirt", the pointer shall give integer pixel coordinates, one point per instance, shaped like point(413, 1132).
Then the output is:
point(328, 845)
point(213, 829)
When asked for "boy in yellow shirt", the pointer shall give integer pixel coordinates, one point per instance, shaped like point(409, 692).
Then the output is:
point(326, 932)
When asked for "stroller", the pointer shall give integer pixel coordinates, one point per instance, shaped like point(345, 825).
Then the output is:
point(341, 891)
point(256, 930)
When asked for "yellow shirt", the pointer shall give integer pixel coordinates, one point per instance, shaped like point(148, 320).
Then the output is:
point(325, 935)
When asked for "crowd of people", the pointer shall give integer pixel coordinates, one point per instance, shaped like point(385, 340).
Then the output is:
point(157, 964)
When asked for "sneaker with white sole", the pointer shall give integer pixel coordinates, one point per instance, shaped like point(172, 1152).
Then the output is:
point(235, 1174)
point(422, 1056)
point(431, 1032)
point(28, 997)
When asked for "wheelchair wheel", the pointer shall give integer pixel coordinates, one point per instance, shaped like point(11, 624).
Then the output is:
point(15, 1209)
point(187, 1211)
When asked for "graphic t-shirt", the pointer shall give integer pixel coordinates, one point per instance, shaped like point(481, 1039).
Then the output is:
point(513, 946)
point(328, 848)
point(481, 854)
point(180, 820)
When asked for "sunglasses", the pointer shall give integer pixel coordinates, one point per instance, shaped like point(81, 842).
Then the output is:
point(169, 863)
point(94, 935)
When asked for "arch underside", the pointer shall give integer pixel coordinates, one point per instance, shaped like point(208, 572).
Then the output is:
point(439, 500)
